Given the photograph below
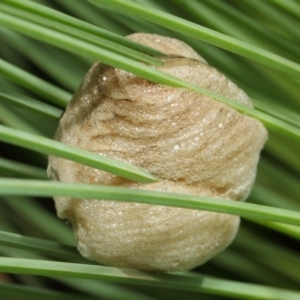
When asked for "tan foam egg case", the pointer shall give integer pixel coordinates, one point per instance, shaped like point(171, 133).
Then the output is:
point(194, 144)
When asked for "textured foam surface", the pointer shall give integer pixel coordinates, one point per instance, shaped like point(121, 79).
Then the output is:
point(194, 144)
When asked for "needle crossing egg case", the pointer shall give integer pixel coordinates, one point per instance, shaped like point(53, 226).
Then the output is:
point(192, 143)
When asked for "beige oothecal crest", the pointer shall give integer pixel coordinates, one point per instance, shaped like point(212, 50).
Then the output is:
point(194, 144)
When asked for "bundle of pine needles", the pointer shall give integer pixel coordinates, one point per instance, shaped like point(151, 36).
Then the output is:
point(47, 47)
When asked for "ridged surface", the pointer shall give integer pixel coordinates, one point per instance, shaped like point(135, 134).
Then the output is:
point(194, 144)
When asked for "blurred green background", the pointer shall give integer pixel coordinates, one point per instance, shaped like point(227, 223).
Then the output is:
point(263, 253)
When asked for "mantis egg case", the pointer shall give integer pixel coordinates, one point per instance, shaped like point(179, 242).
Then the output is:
point(194, 144)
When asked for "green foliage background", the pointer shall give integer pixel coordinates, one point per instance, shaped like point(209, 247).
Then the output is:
point(44, 55)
